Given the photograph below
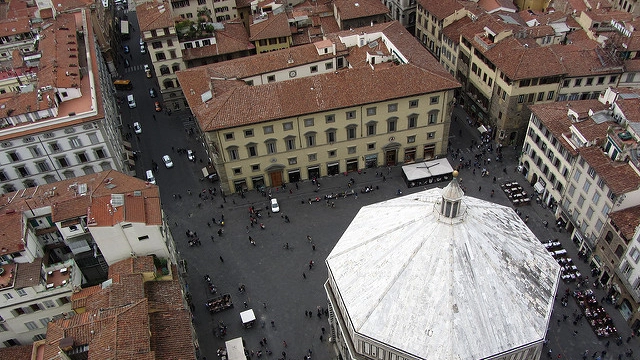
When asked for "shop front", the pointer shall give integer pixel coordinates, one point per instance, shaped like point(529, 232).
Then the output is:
point(391, 153)
point(333, 168)
point(352, 164)
point(240, 185)
point(294, 175)
point(313, 172)
point(258, 182)
point(409, 155)
point(371, 161)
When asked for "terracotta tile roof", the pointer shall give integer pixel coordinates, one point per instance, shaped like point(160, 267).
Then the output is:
point(555, 117)
point(541, 31)
point(358, 55)
point(324, 92)
point(154, 15)
point(627, 220)
point(580, 61)
point(265, 62)
point(28, 274)
point(134, 265)
point(11, 235)
point(72, 4)
point(520, 60)
point(79, 299)
point(605, 15)
point(630, 107)
point(59, 65)
point(128, 319)
point(232, 39)
point(243, 3)
point(11, 27)
point(66, 203)
point(493, 5)
point(452, 32)
point(273, 26)
point(329, 24)
point(355, 9)
point(619, 176)
point(20, 352)
point(591, 130)
point(441, 9)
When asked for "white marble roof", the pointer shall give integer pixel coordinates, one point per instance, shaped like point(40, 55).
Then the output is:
point(439, 288)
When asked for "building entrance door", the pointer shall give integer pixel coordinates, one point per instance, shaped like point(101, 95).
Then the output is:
point(276, 178)
point(390, 157)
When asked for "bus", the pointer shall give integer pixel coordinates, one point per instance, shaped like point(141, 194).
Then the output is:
point(124, 29)
point(123, 85)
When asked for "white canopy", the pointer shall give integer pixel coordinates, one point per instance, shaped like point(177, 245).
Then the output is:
point(428, 169)
point(247, 316)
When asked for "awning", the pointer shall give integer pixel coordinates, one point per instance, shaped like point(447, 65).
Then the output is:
point(539, 188)
point(482, 129)
point(247, 316)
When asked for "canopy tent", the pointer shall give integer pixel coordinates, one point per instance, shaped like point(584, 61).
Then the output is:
point(248, 318)
point(482, 129)
point(235, 349)
point(427, 172)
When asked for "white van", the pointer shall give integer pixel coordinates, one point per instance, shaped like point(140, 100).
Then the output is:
point(150, 178)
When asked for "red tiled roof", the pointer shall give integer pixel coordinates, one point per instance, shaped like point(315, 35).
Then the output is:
point(555, 117)
point(273, 27)
point(12, 27)
point(355, 9)
point(59, 65)
point(232, 39)
point(524, 60)
point(352, 87)
point(20, 352)
point(79, 299)
point(134, 265)
point(591, 130)
point(441, 9)
point(627, 220)
point(66, 203)
point(452, 32)
point(128, 319)
point(154, 15)
point(619, 176)
point(28, 274)
point(11, 234)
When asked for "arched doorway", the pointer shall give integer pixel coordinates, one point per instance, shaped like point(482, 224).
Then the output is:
point(391, 153)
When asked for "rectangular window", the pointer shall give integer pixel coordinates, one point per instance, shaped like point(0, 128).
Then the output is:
point(411, 139)
point(13, 156)
point(233, 154)
point(351, 133)
point(392, 107)
point(520, 99)
point(595, 198)
point(371, 146)
point(237, 171)
point(328, 66)
point(431, 135)
point(271, 147)
point(43, 166)
point(540, 96)
point(371, 129)
point(248, 133)
point(49, 304)
point(332, 153)
point(21, 292)
point(35, 151)
point(31, 325)
point(329, 118)
point(308, 122)
point(580, 201)
point(572, 190)
point(292, 161)
point(314, 69)
point(331, 137)
point(589, 213)
point(271, 78)
point(55, 147)
point(413, 121)
point(391, 125)
point(351, 150)
point(252, 150)
point(291, 143)
point(371, 111)
point(287, 126)
point(351, 115)
point(312, 157)
point(311, 140)
point(577, 175)
point(228, 136)
point(586, 186)
point(82, 157)
point(268, 129)
point(413, 104)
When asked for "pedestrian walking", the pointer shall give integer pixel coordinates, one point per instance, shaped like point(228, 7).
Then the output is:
point(246, 305)
point(479, 188)
point(320, 338)
point(313, 247)
point(306, 313)
point(309, 238)
point(221, 259)
point(322, 330)
point(284, 343)
point(304, 276)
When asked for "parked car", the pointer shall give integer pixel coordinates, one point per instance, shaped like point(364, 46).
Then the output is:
point(167, 161)
point(147, 71)
point(275, 207)
point(137, 128)
point(158, 107)
point(152, 93)
point(191, 156)
point(143, 50)
point(131, 101)
point(126, 49)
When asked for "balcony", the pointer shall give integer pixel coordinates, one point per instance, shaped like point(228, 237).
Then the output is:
point(7, 275)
